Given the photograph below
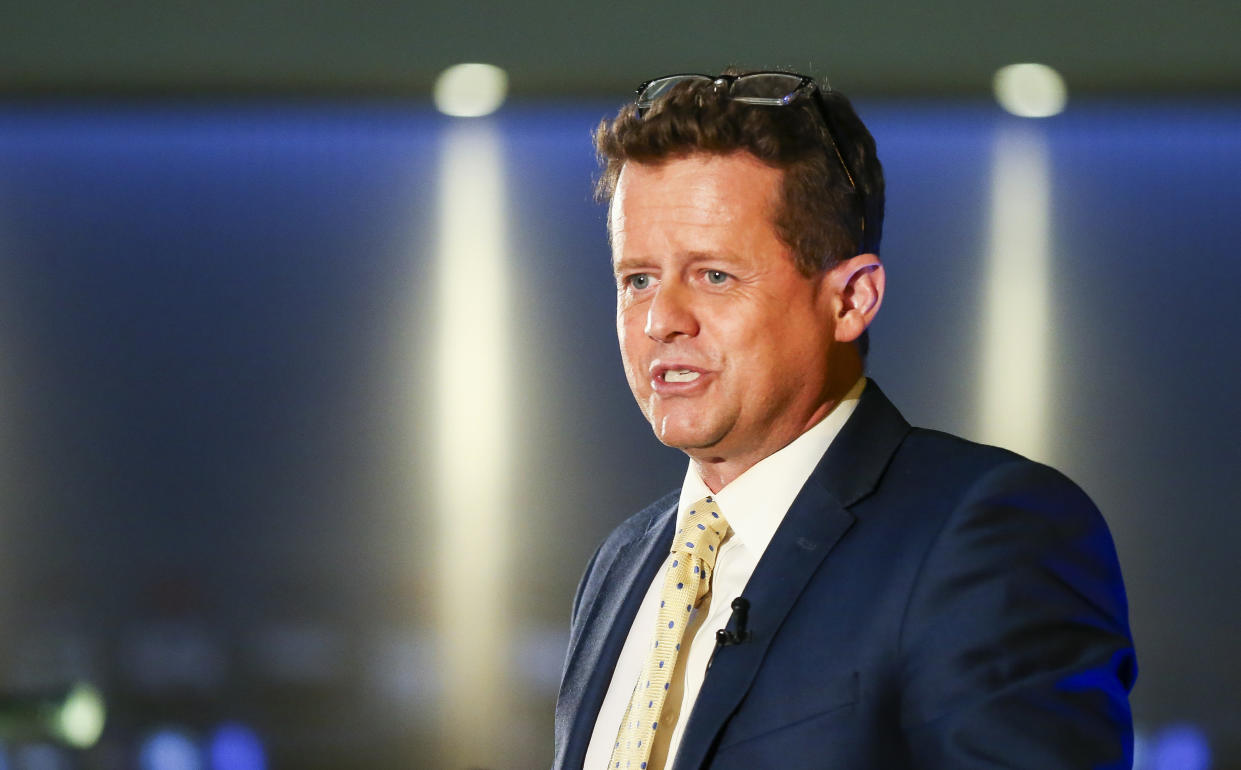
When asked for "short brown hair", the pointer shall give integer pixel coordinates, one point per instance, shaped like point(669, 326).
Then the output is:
point(819, 216)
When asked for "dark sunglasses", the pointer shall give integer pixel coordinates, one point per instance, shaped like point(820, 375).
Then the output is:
point(768, 89)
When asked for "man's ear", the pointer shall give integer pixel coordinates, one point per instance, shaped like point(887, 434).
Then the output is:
point(858, 284)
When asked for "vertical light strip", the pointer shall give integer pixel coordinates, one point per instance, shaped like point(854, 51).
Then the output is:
point(1015, 379)
point(472, 440)
point(10, 499)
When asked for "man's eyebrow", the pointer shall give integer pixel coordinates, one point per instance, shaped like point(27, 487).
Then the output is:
point(687, 258)
point(713, 256)
point(630, 263)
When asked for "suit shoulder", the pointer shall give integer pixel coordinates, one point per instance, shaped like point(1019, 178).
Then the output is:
point(942, 481)
point(1014, 562)
point(969, 464)
point(955, 450)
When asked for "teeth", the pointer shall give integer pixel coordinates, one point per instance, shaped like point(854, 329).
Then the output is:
point(680, 375)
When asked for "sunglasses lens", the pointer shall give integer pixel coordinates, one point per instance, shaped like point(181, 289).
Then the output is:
point(773, 86)
point(757, 88)
point(656, 89)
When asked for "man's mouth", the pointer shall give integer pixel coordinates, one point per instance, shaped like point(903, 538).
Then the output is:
point(680, 375)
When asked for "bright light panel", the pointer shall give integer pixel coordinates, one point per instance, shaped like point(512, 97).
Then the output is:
point(1030, 90)
point(1017, 320)
point(473, 396)
point(470, 90)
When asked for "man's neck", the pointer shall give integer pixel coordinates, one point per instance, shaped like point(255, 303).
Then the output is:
point(718, 472)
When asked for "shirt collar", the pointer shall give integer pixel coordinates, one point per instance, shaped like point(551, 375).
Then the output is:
point(755, 502)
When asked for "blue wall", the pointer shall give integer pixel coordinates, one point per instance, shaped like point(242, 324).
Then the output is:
point(216, 407)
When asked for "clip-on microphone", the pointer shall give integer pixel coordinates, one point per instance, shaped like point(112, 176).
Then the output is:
point(739, 634)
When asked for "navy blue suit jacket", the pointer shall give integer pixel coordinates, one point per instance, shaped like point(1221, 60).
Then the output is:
point(927, 602)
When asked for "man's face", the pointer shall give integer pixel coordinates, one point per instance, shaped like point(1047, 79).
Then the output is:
point(725, 343)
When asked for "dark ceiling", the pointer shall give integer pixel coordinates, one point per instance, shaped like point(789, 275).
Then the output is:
point(562, 47)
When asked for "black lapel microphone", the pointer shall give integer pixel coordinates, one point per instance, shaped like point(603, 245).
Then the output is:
point(738, 621)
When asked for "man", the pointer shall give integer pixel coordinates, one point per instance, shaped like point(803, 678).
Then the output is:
point(908, 599)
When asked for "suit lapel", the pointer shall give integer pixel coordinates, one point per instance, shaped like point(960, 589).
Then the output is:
point(606, 625)
point(816, 521)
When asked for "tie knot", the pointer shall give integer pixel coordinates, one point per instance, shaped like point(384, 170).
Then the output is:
point(702, 531)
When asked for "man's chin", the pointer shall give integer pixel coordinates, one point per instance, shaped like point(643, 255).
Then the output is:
point(689, 439)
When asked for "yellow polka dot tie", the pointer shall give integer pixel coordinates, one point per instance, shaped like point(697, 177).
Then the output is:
point(686, 582)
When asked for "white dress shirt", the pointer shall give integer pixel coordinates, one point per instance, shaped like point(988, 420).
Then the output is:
point(754, 505)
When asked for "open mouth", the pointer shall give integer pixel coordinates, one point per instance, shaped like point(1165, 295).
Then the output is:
point(680, 375)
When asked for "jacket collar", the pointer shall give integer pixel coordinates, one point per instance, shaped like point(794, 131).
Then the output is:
point(817, 520)
point(595, 648)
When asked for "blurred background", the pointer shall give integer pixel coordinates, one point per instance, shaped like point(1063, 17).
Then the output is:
point(310, 407)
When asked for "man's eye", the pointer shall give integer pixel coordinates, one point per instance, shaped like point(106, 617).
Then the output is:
point(716, 276)
point(639, 280)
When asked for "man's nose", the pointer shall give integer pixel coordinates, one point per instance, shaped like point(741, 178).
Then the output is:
point(671, 313)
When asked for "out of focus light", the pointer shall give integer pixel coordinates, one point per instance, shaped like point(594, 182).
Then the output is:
point(169, 749)
point(1177, 747)
point(470, 90)
point(1016, 320)
point(80, 720)
point(473, 441)
point(1030, 90)
point(236, 747)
